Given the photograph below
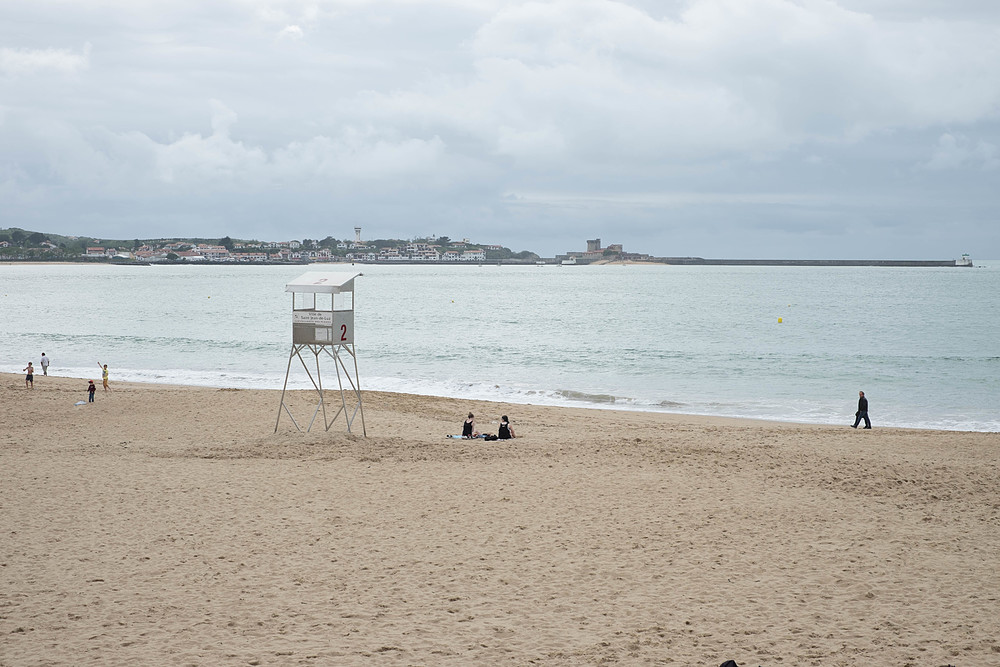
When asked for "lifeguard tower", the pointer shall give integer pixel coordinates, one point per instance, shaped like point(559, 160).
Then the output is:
point(323, 325)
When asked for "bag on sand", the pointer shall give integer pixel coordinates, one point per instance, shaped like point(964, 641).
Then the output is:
point(489, 436)
point(729, 663)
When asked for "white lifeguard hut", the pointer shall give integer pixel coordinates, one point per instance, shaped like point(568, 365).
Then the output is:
point(323, 325)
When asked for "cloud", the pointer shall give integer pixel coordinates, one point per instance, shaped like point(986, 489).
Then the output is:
point(359, 154)
point(223, 118)
point(602, 80)
point(32, 61)
point(957, 151)
point(293, 32)
point(110, 164)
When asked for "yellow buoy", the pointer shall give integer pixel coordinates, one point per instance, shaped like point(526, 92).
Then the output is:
point(779, 320)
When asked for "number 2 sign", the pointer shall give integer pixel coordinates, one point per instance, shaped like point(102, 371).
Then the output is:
point(343, 327)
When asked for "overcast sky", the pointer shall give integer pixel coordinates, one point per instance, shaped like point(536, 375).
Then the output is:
point(712, 128)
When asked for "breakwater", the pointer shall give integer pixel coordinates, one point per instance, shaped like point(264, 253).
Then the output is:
point(699, 261)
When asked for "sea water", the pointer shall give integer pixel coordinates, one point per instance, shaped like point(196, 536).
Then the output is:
point(786, 343)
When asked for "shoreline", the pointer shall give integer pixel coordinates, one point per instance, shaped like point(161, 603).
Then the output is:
point(14, 381)
point(513, 405)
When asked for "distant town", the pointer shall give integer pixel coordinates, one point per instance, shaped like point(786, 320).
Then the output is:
point(22, 245)
point(19, 245)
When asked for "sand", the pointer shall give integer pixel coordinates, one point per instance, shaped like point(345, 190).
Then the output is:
point(168, 525)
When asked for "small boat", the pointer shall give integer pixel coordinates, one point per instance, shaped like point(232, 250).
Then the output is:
point(571, 260)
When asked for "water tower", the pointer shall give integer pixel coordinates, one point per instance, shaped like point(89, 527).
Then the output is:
point(323, 327)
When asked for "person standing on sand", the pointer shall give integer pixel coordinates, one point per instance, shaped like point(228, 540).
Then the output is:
point(862, 412)
point(29, 379)
point(104, 375)
point(45, 364)
point(91, 389)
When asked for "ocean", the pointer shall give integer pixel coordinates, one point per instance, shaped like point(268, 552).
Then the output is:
point(791, 344)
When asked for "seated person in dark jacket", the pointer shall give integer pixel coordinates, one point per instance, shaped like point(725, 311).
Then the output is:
point(505, 432)
point(469, 427)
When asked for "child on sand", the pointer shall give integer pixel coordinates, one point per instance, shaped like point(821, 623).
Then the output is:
point(91, 388)
point(29, 379)
point(104, 375)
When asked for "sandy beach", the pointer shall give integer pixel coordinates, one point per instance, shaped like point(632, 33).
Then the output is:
point(170, 525)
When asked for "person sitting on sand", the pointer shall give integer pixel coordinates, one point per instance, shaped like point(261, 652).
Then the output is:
point(469, 427)
point(505, 432)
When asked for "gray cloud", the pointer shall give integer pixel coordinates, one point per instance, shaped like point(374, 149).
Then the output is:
point(14, 62)
point(760, 128)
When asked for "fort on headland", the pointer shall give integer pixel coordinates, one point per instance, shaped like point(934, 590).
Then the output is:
point(616, 253)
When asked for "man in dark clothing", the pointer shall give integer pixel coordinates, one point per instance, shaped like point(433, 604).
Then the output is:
point(862, 412)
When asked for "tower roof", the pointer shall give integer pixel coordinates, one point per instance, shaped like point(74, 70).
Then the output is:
point(318, 282)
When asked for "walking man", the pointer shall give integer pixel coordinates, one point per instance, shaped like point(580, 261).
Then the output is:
point(45, 364)
point(862, 412)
